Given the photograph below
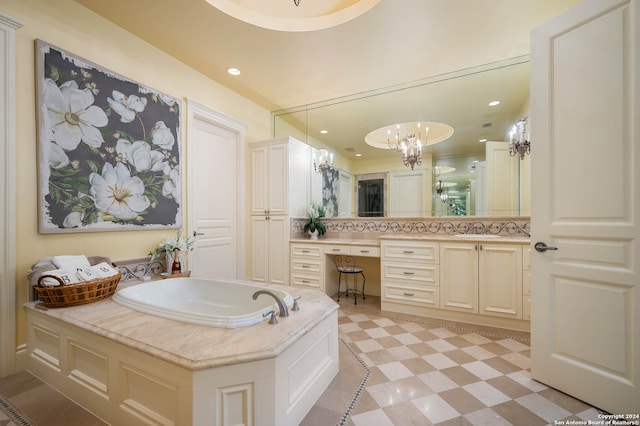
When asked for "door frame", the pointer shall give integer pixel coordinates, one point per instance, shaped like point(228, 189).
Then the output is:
point(8, 184)
point(197, 111)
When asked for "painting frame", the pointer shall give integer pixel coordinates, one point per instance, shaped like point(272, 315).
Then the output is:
point(109, 149)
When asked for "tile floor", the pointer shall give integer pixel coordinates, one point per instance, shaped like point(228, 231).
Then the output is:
point(426, 371)
point(394, 370)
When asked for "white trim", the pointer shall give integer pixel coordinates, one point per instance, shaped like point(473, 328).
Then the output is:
point(8, 27)
point(203, 112)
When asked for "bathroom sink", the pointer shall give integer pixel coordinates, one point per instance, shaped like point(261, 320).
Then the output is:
point(477, 236)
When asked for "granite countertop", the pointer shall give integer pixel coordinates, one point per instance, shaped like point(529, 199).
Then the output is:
point(192, 346)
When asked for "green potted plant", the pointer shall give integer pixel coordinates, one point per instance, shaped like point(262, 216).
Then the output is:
point(314, 225)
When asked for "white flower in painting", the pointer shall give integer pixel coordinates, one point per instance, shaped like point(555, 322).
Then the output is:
point(57, 157)
point(161, 135)
point(73, 116)
point(73, 220)
point(172, 188)
point(126, 106)
point(117, 193)
point(140, 155)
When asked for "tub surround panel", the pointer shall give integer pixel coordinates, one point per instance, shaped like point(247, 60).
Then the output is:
point(189, 345)
point(129, 367)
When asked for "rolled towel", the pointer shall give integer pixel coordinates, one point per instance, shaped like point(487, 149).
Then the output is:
point(67, 276)
point(103, 269)
point(71, 262)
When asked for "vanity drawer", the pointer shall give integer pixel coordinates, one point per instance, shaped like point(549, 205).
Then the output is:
point(306, 266)
point(411, 251)
point(313, 251)
point(299, 280)
point(366, 251)
point(416, 274)
point(427, 296)
point(336, 249)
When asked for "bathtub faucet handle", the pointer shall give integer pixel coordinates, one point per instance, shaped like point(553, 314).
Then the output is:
point(273, 319)
point(295, 306)
point(282, 307)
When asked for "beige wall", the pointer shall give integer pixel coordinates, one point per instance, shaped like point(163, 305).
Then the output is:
point(74, 28)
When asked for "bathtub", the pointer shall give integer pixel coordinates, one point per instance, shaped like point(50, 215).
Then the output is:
point(213, 303)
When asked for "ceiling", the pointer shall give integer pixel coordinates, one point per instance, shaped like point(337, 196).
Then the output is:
point(397, 44)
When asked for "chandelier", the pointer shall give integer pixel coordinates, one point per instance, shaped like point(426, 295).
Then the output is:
point(324, 163)
point(409, 138)
point(409, 144)
point(518, 144)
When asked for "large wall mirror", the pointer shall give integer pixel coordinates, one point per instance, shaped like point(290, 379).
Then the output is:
point(472, 158)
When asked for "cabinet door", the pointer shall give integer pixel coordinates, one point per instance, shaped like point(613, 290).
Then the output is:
point(459, 276)
point(278, 169)
point(259, 249)
point(500, 280)
point(269, 249)
point(278, 249)
point(259, 182)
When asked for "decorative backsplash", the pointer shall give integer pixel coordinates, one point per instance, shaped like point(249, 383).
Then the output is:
point(337, 227)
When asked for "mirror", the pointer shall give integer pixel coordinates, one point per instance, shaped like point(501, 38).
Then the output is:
point(460, 99)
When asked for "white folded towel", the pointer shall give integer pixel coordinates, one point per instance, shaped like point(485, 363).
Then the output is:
point(71, 262)
point(103, 270)
point(68, 276)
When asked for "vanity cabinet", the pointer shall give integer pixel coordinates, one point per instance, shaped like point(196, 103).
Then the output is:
point(482, 278)
point(280, 189)
point(409, 273)
point(307, 266)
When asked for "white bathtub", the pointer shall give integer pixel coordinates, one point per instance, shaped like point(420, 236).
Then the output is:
point(201, 301)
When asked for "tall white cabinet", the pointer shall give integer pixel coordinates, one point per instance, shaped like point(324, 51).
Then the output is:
point(280, 186)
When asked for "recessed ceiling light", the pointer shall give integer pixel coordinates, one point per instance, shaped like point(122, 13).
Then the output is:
point(233, 71)
point(358, 155)
point(482, 140)
point(324, 132)
point(494, 103)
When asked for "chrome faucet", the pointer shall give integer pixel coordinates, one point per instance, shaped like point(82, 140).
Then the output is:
point(284, 311)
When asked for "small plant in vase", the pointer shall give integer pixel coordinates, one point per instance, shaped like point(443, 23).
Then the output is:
point(314, 225)
point(174, 250)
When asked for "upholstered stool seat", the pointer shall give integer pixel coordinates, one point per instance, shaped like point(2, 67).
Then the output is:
point(347, 265)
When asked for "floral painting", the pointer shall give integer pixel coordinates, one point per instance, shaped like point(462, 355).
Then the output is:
point(108, 149)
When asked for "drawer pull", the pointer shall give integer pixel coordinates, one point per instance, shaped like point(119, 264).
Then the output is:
point(305, 266)
point(408, 251)
point(336, 249)
point(364, 251)
point(306, 251)
point(408, 273)
point(305, 281)
point(408, 294)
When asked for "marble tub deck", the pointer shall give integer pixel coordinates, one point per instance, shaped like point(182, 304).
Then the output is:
point(196, 347)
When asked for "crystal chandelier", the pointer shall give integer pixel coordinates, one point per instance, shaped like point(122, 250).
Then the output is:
point(410, 145)
point(518, 144)
point(324, 161)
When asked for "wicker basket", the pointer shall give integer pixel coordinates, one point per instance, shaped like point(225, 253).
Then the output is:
point(78, 293)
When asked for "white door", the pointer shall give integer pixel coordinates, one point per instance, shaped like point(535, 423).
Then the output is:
point(585, 202)
point(215, 193)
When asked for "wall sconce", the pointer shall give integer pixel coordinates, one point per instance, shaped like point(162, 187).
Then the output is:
point(324, 163)
point(518, 144)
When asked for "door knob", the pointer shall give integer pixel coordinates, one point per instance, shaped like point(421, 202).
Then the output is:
point(542, 247)
point(195, 234)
